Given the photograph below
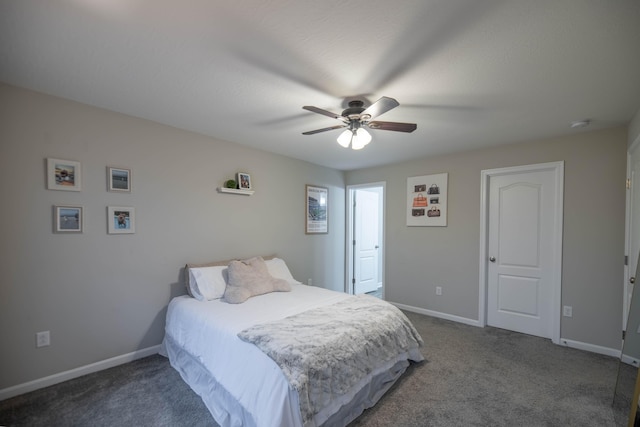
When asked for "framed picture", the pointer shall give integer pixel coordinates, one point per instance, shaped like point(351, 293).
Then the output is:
point(316, 210)
point(121, 220)
point(427, 200)
point(67, 219)
point(244, 181)
point(63, 175)
point(118, 179)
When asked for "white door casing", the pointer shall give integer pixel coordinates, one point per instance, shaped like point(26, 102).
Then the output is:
point(351, 261)
point(366, 241)
point(521, 247)
point(632, 244)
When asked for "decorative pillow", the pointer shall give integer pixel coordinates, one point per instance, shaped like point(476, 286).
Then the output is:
point(190, 281)
point(207, 283)
point(249, 278)
point(278, 269)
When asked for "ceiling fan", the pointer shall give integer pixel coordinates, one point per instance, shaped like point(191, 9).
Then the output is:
point(356, 118)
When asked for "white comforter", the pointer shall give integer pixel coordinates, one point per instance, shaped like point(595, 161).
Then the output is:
point(241, 385)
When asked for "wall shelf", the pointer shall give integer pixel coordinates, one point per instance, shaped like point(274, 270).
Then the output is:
point(235, 191)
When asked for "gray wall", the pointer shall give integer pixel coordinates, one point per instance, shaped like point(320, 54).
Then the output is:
point(420, 258)
point(634, 129)
point(104, 295)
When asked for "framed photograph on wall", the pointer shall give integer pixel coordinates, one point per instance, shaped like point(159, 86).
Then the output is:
point(63, 175)
point(121, 220)
point(316, 210)
point(67, 219)
point(118, 179)
point(244, 181)
point(427, 200)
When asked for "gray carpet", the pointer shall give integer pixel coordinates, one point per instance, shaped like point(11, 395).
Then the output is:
point(472, 377)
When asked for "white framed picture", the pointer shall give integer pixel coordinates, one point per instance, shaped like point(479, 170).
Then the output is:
point(118, 179)
point(121, 220)
point(427, 200)
point(63, 175)
point(67, 219)
point(244, 181)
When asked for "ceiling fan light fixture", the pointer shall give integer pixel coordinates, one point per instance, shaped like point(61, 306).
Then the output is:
point(357, 144)
point(360, 139)
point(357, 138)
point(345, 138)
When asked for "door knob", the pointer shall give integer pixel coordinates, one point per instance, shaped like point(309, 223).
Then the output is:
point(377, 246)
point(632, 280)
point(492, 259)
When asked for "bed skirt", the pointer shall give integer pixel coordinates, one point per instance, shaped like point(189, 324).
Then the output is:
point(227, 412)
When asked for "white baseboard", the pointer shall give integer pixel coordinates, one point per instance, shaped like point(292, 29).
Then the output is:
point(591, 347)
point(563, 341)
point(77, 372)
point(437, 314)
point(630, 360)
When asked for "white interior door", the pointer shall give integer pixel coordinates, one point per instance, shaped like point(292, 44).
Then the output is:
point(633, 230)
point(521, 251)
point(367, 241)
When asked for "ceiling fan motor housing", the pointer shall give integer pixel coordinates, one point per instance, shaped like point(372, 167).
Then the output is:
point(356, 107)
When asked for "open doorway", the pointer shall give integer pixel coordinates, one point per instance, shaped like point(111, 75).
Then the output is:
point(365, 239)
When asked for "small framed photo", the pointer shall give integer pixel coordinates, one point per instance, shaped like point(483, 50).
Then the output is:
point(67, 219)
point(118, 179)
point(316, 210)
point(121, 220)
point(244, 181)
point(63, 175)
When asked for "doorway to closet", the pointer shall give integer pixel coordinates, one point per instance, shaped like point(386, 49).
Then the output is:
point(365, 239)
point(521, 248)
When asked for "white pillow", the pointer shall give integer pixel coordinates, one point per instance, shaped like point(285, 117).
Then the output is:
point(208, 283)
point(278, 269)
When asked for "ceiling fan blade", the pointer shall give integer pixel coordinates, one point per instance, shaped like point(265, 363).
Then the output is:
point(394, 126)
point(379, 107)
point(311, 132)
point(323, 112)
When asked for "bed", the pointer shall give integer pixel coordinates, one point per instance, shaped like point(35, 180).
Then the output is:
point(265, 361)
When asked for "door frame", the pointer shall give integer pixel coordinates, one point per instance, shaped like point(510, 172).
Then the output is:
point(556, 274)
point(349, 254)
point(635, 145)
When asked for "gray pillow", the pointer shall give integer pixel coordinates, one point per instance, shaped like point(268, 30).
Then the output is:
point(249, 278)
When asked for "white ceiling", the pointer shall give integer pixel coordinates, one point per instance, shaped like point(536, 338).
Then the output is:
point(470, 73)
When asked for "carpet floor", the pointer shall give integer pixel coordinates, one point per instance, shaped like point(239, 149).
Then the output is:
point(471, 377)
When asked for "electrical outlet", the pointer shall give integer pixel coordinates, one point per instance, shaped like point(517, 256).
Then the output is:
point(438, 290)
point(43, 339)
point(567, 311)
point(309, 282)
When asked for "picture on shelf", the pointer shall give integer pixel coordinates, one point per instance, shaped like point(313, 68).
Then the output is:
point(244, 181)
